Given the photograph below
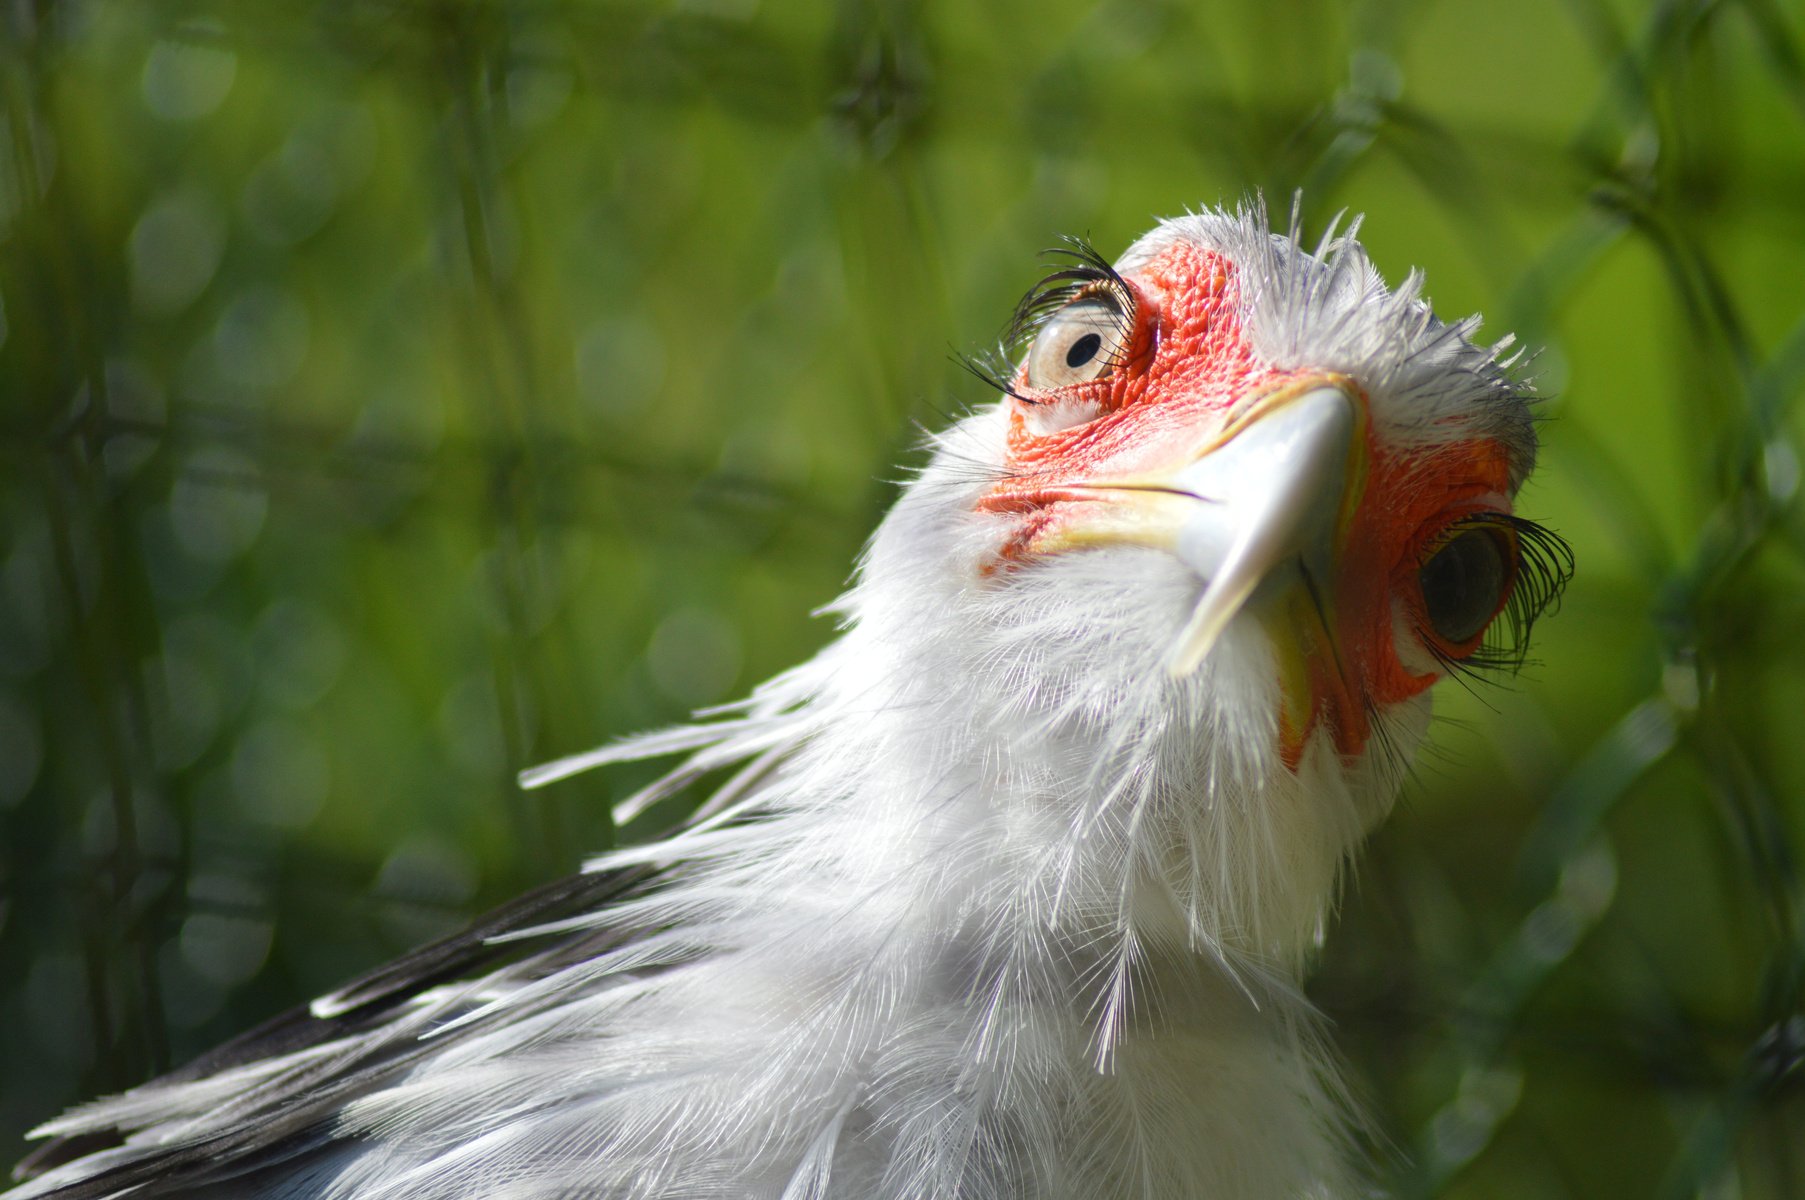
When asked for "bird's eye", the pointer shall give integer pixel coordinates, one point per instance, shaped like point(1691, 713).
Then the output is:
point(1080, 342)
point(1466, 582)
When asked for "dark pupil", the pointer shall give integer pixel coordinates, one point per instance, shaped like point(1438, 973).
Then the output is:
point(1083, 350)
point(1463, 585)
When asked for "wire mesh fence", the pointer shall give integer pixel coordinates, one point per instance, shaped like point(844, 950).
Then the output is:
point(397, 394)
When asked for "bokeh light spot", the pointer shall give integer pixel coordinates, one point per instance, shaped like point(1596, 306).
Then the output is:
point(261, 339)
point(217, 506)
point(183, 81)
point(299, 653)
point(226, 950)
point(21, 749)
point(694, 656)
point(281, 774)
point(470, 725)
point(620, 366)
point(176, 248)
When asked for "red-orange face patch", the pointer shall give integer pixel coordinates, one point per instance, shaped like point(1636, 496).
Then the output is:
point(1185, 364)
point(1185, 356)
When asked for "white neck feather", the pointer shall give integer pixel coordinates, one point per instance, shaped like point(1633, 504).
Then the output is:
point(1001, 889)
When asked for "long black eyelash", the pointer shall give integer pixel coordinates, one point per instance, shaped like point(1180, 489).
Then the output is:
point(993, 370)
point(1544, 565)
point(1087, 271)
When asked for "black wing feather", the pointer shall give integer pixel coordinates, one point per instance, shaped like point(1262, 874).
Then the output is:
point(291, 1114)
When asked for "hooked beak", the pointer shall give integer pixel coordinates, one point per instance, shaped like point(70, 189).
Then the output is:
point(1268, 496)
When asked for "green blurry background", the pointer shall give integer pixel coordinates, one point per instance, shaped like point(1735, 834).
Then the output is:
point(397, 393)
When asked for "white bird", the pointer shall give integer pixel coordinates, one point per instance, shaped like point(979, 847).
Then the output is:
point(1014, 890)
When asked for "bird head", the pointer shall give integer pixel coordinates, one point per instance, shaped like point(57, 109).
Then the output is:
point(1321, 453)
point(1239, 507)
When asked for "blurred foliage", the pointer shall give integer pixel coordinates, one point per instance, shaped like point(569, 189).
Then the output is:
point(400, 392)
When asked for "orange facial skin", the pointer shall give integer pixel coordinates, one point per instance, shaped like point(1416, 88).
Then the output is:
point(1185, 359)
point(1185, 367)
point(1410, 499)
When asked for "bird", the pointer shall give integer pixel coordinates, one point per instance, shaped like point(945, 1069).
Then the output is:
point(1011, 890)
